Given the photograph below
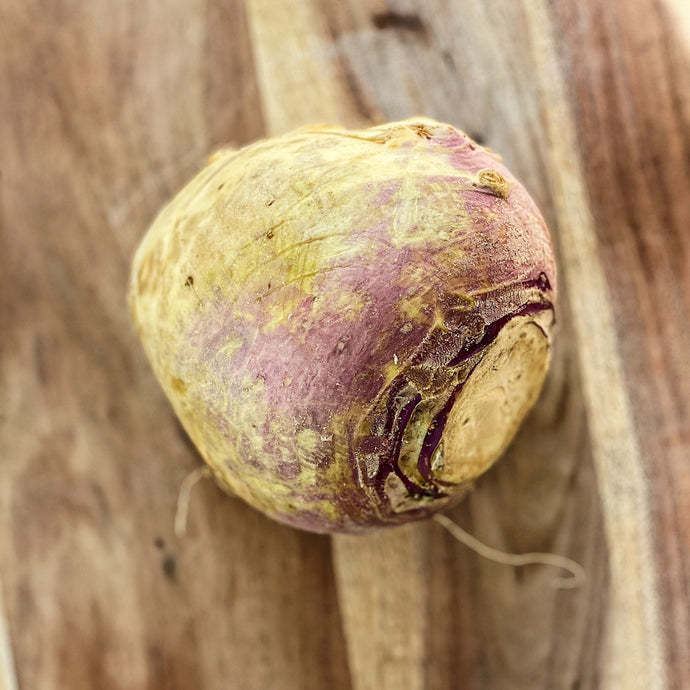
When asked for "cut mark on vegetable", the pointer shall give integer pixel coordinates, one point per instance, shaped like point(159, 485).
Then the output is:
point(492, 401)
point(414, 408)
point(468, 354)
point(577, 577)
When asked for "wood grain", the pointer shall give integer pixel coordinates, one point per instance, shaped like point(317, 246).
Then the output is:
point(113, 107)
point(633, 656)
point(633, 109)
point(109, 108)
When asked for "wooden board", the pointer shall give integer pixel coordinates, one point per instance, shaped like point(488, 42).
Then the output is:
point(105, 110)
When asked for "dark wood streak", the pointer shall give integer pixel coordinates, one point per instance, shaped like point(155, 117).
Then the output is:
point(233, 109)
point(336, 16)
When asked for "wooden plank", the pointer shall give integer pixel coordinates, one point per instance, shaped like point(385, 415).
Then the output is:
point(107, 109)
point(298, 75)
point(632, 97)
point(383, 599)
point(633, 655)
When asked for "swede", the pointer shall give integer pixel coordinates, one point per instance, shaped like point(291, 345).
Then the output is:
point(350, 325)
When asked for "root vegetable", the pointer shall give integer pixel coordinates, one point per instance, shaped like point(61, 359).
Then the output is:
point(350, 325)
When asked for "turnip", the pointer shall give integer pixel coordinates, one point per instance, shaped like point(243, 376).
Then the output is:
point(350, 325)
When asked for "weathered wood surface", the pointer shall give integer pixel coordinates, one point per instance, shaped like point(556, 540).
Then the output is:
point(105, 109)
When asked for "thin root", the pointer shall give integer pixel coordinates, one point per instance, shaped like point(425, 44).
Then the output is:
point(577, 572)
point(189, 482)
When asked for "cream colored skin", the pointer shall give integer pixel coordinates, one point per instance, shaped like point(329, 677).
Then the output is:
point(316, 305)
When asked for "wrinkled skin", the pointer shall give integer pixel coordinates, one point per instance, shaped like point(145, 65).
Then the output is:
point(350, 325)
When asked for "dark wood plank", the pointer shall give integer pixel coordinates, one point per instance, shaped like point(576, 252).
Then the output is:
point(107, 108)
point(630, 88)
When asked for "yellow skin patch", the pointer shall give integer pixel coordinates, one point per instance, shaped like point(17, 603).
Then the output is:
point(315, 305)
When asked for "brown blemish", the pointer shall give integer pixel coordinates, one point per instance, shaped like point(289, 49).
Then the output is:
point(421, 130)
point(190, 284)
point(178, 385)
point(493, 182)
point(270, 234)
